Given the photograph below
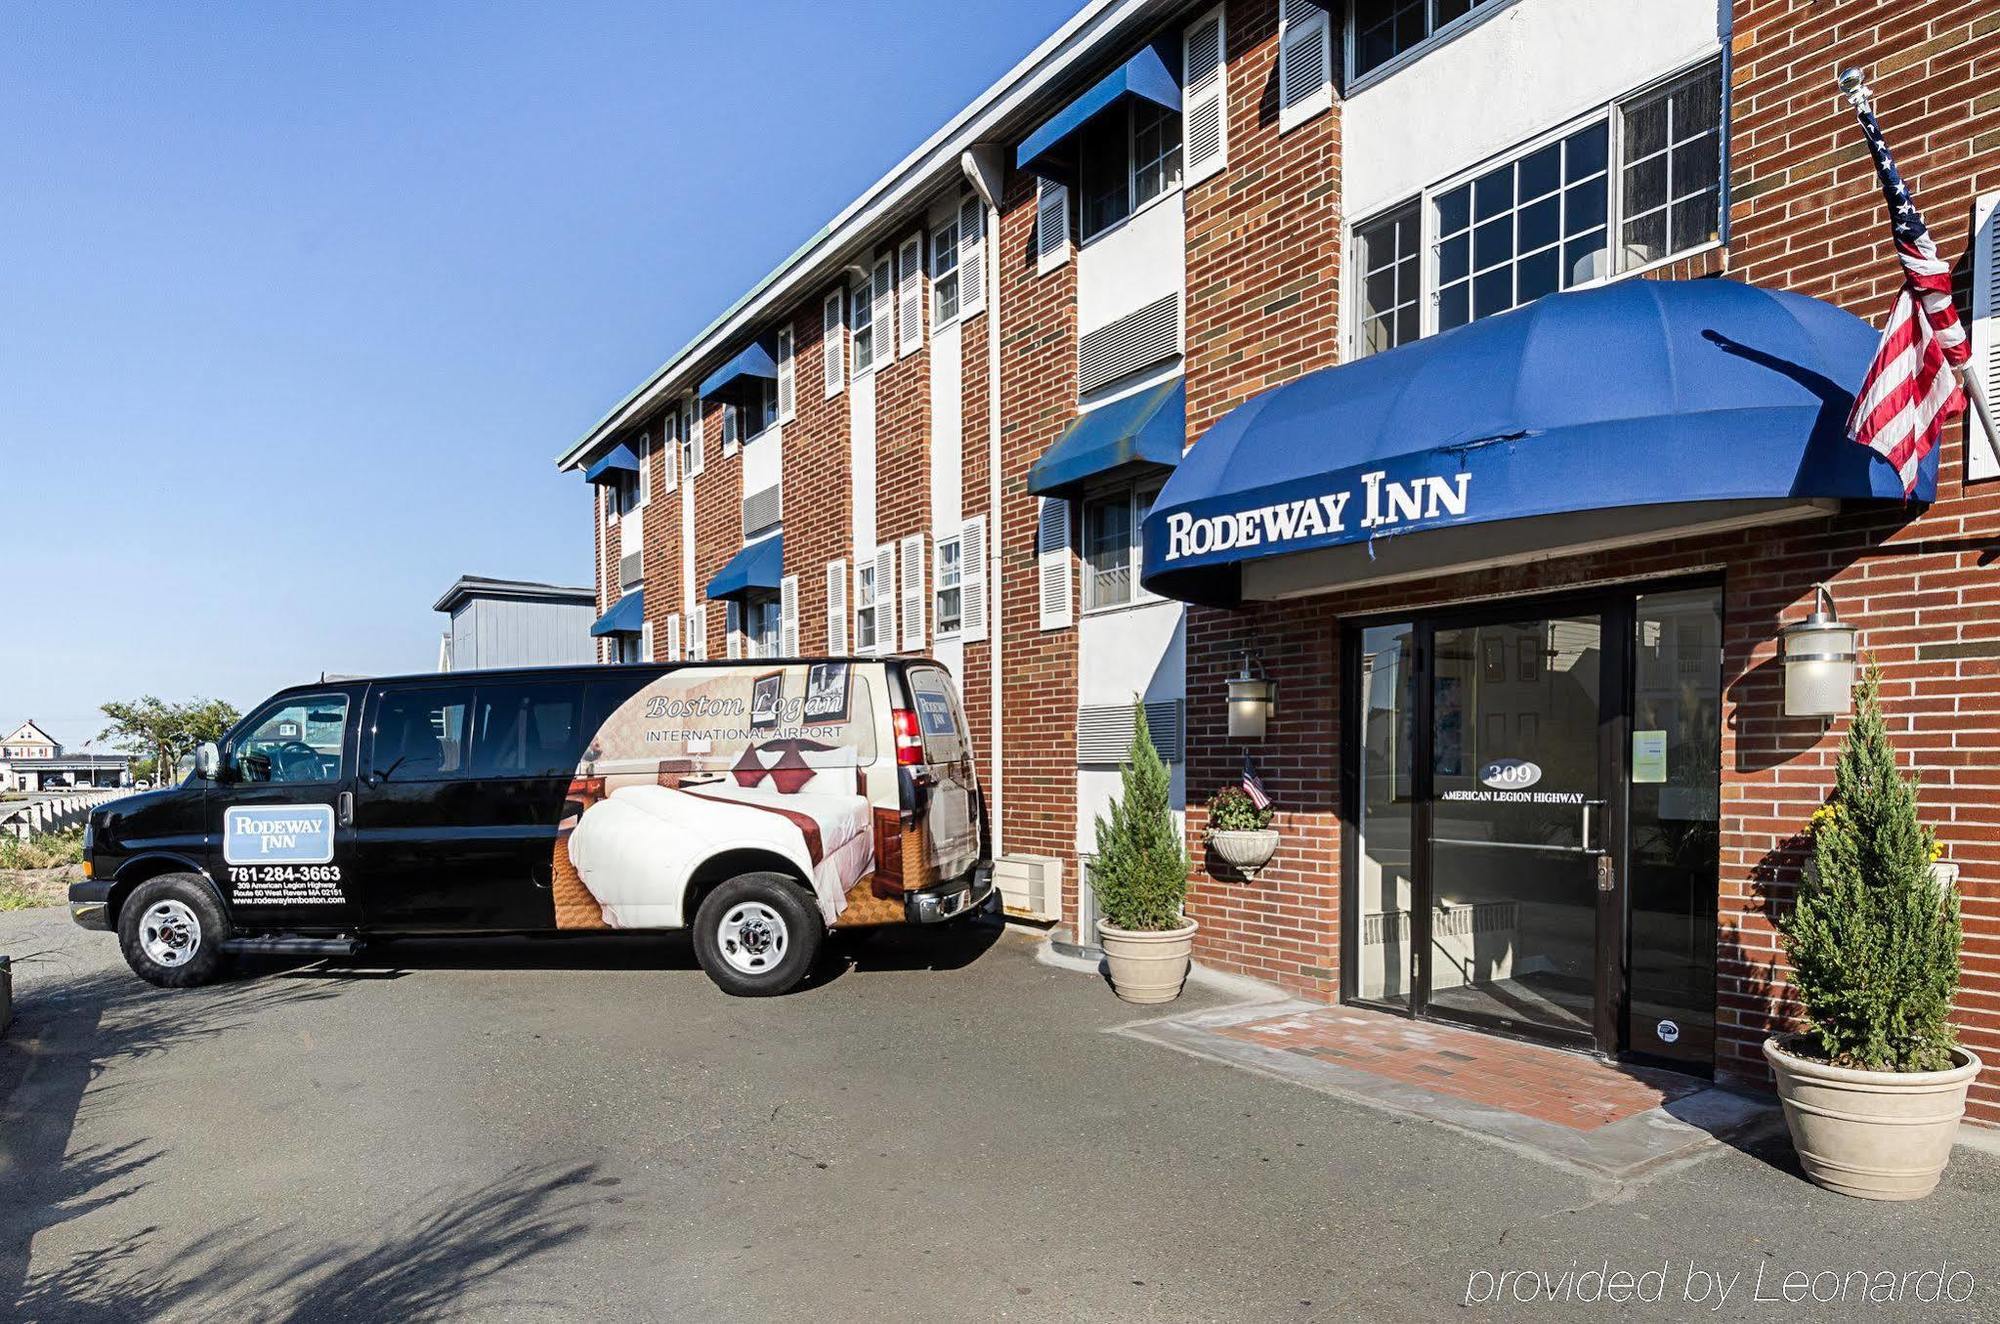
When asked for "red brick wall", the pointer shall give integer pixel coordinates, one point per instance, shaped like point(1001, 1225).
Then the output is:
point(819, 499)
point(975, 676)
point(903, 453)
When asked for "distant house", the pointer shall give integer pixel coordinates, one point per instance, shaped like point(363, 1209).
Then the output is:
point(28, 741)
point(32, 760)
point(515, 623)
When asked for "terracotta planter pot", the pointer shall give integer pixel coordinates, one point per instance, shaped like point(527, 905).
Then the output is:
point(1245, 850)
point(1147, 965)
point(1880, 1135)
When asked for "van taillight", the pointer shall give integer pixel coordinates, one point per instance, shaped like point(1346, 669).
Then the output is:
point(909, 737)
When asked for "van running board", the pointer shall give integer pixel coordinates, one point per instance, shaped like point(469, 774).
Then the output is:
point(289, 946)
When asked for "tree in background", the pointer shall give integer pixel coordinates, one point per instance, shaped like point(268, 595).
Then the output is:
point(166, 731)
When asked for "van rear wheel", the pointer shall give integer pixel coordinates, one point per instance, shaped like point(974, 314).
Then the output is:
point(757, 935)
point(171, 930)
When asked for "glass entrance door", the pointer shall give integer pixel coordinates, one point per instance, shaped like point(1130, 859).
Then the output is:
point(1517, 824)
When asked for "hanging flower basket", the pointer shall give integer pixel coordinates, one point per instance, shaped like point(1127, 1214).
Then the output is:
point(1245, 850)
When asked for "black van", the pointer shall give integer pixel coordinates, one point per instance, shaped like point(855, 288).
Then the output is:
point(761, 802)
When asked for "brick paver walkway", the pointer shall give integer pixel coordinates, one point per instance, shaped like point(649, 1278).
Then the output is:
point(1569, 1089)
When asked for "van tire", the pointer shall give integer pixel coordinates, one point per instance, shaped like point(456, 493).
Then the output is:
point(171, 913)
point(758, 934)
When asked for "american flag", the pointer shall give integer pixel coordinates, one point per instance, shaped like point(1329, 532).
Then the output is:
point(1912, 390)
point(1253, 785)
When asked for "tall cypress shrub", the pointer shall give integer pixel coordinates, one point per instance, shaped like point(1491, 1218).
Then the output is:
point(1140, 876)
point(1874, 938)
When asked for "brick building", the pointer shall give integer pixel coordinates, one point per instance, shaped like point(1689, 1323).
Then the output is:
point(1281, 237)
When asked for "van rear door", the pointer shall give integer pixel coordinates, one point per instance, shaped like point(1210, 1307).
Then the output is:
point(950, 815)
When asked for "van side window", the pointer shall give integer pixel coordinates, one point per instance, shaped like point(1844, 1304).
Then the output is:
point(527, 730)
point(295, 740)
point(420, 734)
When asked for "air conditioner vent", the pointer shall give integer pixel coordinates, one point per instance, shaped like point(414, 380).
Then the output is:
point(763, 510)
point(1104, 731)
point(1136, 340)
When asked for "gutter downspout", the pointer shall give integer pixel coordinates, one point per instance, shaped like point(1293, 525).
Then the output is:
point(984, 165)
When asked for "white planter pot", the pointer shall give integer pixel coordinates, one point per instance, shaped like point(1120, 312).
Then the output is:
point(1245, 850)
point(1880, 1135)
point(1147, 965)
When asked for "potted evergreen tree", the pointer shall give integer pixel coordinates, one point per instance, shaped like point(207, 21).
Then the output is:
point(1239, 832)
point(1874, 1086)
point(1140, 878)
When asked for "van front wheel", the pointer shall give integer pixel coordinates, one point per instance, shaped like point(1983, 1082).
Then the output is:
point(171, 929)
point(757, 935)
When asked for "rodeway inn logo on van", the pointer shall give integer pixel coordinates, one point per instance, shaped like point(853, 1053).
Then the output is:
point(278, 834)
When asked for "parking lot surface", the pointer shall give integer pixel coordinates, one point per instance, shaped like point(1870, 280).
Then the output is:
point(938, 1127)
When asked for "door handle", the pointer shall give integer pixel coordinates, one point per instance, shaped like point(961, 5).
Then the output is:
point(1583, 833)
point(345, 811)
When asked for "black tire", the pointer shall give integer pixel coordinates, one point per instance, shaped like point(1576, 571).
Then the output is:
point(758, 934)
point(193, 922)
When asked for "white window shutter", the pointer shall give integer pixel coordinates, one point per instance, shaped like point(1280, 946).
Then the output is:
point(1051, 225)
point(645, 467)
point(972, 579)
point(732, 629)
point(832, 344)
point(645, 641)
point(1052, 561)
point(1204, 97)
point(1305, 61)
point(882, 311)
point(788, 387)
point(971, 256)
point(913, 593)
point(674, 636)
point(732, 431)
point(1982, 451)
point(695, 448)
point(836, 607)
point(788, 616)
point(910, 296)
point(885, 598)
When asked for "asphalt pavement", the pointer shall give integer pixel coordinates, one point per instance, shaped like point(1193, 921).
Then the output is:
point(937, 1128)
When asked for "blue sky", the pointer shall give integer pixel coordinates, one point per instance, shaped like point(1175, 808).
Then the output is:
point(298, 302)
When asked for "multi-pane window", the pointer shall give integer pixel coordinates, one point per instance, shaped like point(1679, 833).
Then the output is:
point(1127, 157)
point(944, 272)
point(949, 608)
point(861, 321)
point(751, 406)
point(1111, 545)
point(1384, 29)
point(1386, 251)
point(760, 617)
point(1671, 168)
point(865, 612)
point(1524, 229)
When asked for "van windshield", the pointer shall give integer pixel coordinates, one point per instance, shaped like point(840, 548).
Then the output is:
point(295, 740)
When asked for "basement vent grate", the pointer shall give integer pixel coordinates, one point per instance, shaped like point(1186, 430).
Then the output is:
point(1136, 340)
point(1104, 731)
point(763, 510)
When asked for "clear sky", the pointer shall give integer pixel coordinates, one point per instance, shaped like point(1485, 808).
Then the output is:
point(298, 303)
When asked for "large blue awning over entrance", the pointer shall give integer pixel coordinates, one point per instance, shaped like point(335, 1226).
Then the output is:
point(1145, 75)
point(615, 463)
point(754, 361)
point(761, 565)
point(627, 616)
point(1149, 427)
point(1675, 404)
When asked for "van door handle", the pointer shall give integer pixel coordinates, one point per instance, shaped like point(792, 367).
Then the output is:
point(345, 812)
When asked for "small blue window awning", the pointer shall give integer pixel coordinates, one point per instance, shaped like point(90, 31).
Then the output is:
point(627, 616)
point(754, 361)
point(1605, 417)
point(1149, 428)
point(615, 464)
point(760, 566)
point(1144, 75)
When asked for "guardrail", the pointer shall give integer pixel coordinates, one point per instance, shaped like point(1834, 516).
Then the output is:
point(52, 811)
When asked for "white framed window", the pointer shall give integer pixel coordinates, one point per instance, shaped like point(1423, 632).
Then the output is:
point(1380, 31)
point(1111, 545)
point(832, 344)
point(866, 613)
point(788, 387)
point(948, 595)
point(691, 457)
point(944, 273)
point(1647, 168)
point(750, 407)
point(1127, 158)
point(861, 327)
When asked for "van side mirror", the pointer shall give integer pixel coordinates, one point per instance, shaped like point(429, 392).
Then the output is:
point(207, 760)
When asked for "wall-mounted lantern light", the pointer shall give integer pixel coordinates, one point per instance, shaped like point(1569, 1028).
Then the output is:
point(1252, 700)
point(1818, 653)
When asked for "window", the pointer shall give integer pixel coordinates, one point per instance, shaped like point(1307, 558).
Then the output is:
point(1524, 229)
point(1385, 251)
point(527, 730)
point(1127, 157)
point(866, 611)
point(1672, 169)
point(419, 734)
point(293, 741)
point(750, 406)
point(759, 618)
point(944, 272)
point(1384, 29)
point(949, 607)
point(861, 322)
point(690, 437)
point(1111, 545)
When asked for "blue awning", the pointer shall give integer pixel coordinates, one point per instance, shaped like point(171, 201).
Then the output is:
point(1144, 75)
point(755, 361)
point(617, 462)
point(1147, 428)
point(1609, 414)
point(625, 617)
point(761, 565)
